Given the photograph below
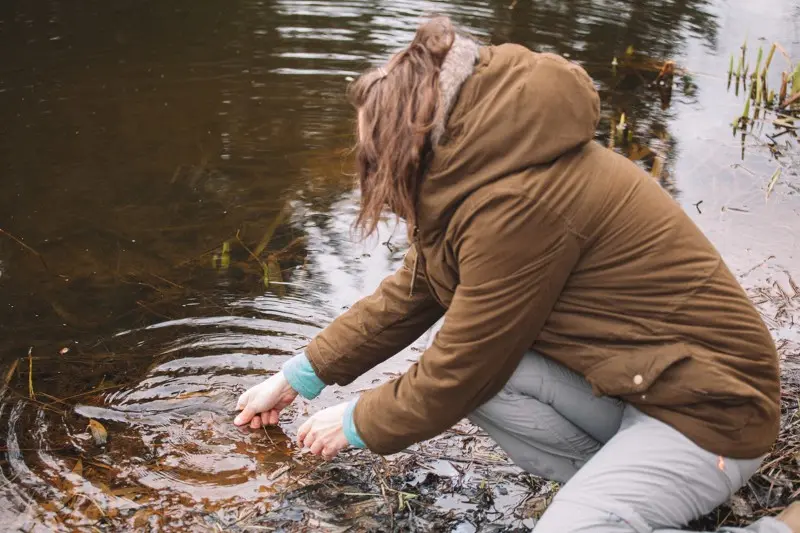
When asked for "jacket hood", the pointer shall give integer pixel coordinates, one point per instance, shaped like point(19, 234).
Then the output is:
point(516, 109)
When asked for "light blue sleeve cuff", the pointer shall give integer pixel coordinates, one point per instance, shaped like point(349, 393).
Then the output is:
point(301, 376)
point(350, 426)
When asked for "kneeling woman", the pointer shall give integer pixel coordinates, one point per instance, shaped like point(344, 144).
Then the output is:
point(589, 326)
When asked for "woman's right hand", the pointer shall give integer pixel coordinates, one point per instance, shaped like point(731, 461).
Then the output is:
point(263, 403)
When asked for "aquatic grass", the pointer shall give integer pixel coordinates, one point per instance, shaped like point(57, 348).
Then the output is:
point(764, 99)
point(744, 119)
point(730, 72)
point(773, 180)
point(795, 92)
point(768, 62)
point(796, 80)
point(784, 86)
point(744, 47)
point(756, 70)
point(759, 95)
point(739, 75)
point(765, 93)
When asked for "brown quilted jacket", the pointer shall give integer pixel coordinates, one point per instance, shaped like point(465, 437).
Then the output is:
point(532, 236)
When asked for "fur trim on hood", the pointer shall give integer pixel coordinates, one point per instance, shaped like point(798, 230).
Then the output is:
point(458, 65)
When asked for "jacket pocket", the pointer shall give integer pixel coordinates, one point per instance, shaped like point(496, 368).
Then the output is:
point(634, 371)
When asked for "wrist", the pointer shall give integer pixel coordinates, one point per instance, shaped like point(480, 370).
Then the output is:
point(349, 426)
point(300, 376)
point(283, 383)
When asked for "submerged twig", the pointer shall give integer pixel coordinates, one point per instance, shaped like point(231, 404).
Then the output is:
point(762, 263)
point(31, 250)
point(87, 393)
point(57, 400)
point(268, 436)
point(31, 394)
point(11, 371)
point(37, 402)
point(270, 231)
point(153, 311)
point(249, 251)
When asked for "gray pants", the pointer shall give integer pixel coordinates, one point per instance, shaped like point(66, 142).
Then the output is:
point(626, 472)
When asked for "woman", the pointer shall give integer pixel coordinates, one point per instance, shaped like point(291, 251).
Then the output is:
point(589, 326)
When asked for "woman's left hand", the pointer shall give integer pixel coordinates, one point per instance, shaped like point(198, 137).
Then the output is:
point(323, 433)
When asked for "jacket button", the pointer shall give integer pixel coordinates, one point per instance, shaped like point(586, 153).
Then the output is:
point(637, 379)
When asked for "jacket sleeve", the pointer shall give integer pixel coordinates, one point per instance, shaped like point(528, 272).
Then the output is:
point(376, 327)
point(514, 259)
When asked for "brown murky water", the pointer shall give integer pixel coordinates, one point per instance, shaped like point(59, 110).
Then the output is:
point(158, 158)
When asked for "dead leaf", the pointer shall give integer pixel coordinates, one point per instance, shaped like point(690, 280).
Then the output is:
point(533, 508)
point(668, 69)
point(93, 510)
point(193, 394)
point(320, 525)
point(98, 431)
point(366, 507)
point(127, 492)
point(740, 507)
point(142, 518)
point(638, 152)
point(78, 468)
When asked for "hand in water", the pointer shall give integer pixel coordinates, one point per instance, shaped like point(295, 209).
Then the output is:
point(323, 433)
point(262, 403)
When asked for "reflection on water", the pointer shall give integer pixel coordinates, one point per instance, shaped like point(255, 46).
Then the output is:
point(181, 169)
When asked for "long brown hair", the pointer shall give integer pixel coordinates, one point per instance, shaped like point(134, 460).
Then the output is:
point(398, 106)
